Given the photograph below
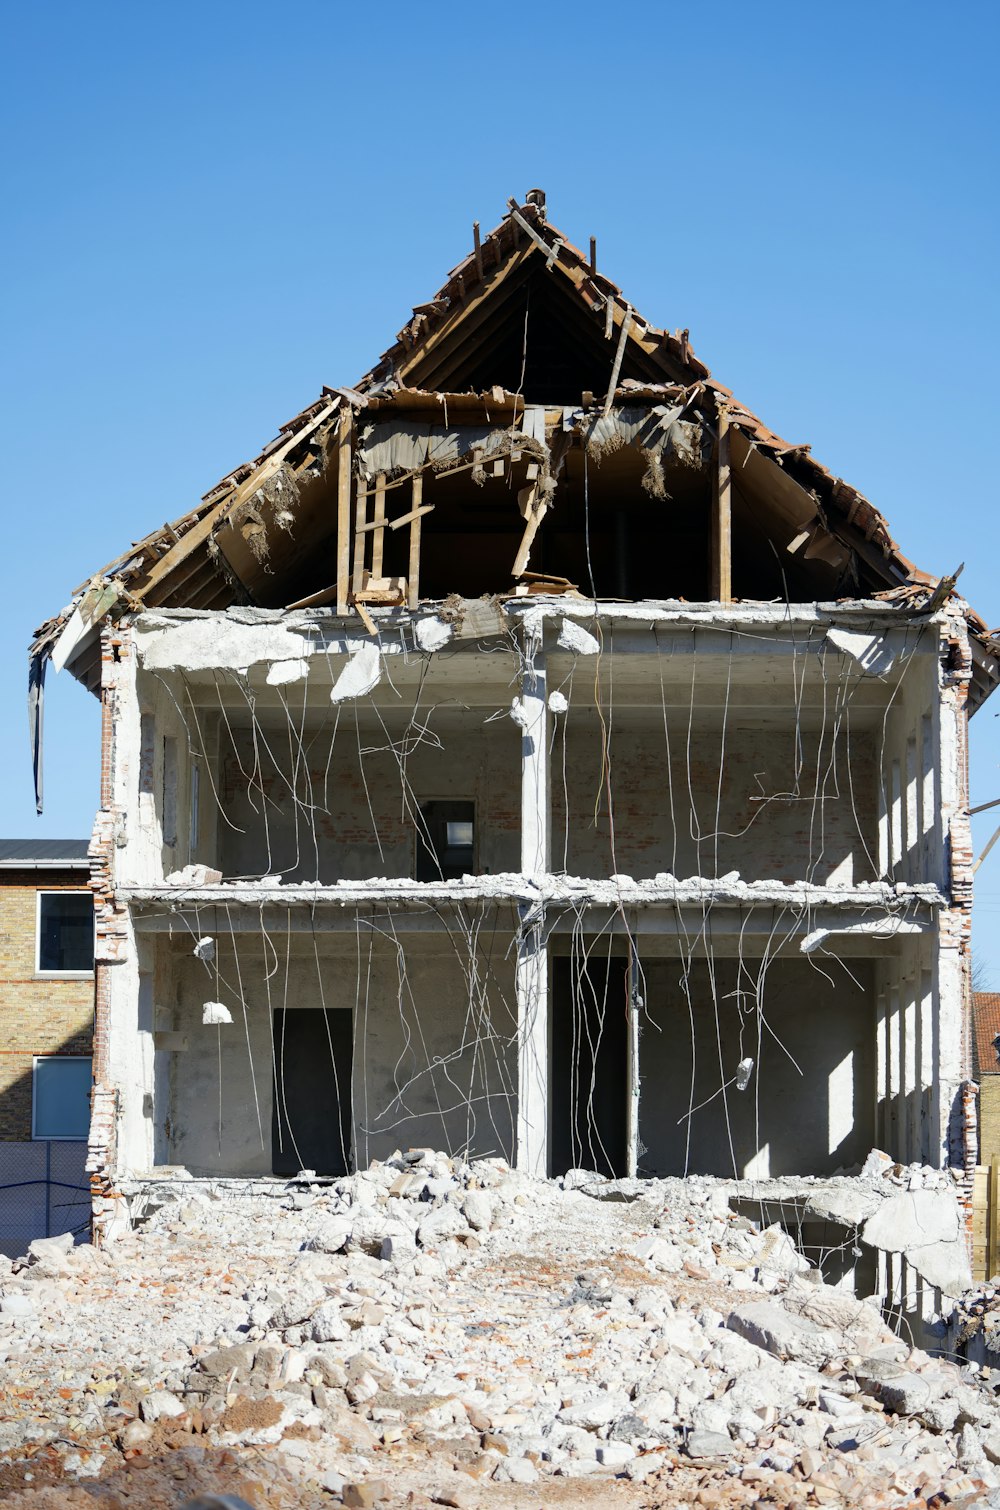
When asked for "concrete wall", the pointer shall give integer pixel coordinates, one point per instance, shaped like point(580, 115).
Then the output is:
point(810, 1116)
point(363, 803)
point(912, 1111)
point(363, 798)
point(434, 1058)
point(696, 814)
point(909, 777)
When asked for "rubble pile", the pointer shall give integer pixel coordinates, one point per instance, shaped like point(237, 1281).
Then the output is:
point(435, 1332)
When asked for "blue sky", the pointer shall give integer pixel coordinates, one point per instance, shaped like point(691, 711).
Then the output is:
point(213, 209)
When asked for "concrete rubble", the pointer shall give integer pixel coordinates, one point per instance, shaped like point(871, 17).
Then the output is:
point(434, 1332)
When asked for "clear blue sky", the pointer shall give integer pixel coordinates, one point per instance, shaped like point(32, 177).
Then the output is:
point(213, 209)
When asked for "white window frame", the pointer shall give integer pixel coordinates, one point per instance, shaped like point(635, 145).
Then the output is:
point(38, 1137)
point(61, 891)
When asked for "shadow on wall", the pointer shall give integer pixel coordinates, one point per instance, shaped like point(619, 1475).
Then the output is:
point(808, 1103)
point(44, 1189)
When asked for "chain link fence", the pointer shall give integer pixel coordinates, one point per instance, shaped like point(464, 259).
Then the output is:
point(43, 1191)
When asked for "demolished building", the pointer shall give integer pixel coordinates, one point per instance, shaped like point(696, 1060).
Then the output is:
point(530, 755)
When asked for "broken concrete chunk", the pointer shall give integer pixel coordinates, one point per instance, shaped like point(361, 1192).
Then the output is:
point(557, 702)
point(869, 650)
point(215, 1013)
point(709, 1444)
point(769, 1326)
point(913, 1219)
point(433, 633)
point(160, 1403)
point(204, 949)
point(361, 675)
point(194, 875)
point(848, 1204)
point(899, 1389)
point(237, 1361)
point(573, 636)
point(776, 1252)
point(280, 673)
point(925, 1226)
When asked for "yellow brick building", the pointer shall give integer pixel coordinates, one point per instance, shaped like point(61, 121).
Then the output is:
point(46, 985)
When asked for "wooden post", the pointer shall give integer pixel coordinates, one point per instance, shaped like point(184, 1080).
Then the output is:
point(721, 563)
point(344, 511)
point(360, 520)
point(413, 578)
point(379, 536)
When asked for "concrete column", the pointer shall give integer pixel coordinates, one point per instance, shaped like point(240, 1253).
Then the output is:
point(635, 1005)
point(533, 1047)
point(894, 1143)
point(882, 1068)
point(928, 800)
point(896, 840)
point(910, 1141)
point(928, 1068)
point(535, 807)
point(913, 835)
point(532, 952)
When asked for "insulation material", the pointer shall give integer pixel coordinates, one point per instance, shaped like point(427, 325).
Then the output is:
point(398, 445)
point(658, 432)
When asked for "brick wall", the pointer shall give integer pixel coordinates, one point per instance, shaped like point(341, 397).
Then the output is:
point(989, 1119)
point(38, 1015)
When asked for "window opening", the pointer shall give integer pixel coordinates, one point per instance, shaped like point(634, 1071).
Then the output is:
point(60, 1097)
point(446, 841)
point(65, 933)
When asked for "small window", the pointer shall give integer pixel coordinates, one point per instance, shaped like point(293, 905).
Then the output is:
point(446, 841)
point(65, 933)
point(60, 1101)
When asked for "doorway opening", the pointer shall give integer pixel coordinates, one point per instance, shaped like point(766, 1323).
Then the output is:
point(589, 1058)
point(311, 1117)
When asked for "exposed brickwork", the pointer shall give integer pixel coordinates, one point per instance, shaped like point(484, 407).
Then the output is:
point(40, 1015)
point(989, 1119)
point(112, 932)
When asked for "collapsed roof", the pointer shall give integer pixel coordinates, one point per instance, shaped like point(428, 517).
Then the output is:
point(528, 366)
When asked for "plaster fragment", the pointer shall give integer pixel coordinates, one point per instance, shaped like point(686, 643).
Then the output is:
point(519, 713)
point(869, 650)
point(362, 673)
point(204, 948)
point(433, 633)
point(283, 672)
point(215, 1013)
point(573, 636)
point(557, 702)
point(743, 1072)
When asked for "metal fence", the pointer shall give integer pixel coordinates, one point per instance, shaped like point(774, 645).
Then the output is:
point(43, 1191)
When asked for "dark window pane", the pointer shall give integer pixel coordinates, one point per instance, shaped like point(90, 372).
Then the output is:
point(446, 841)
point(62, 1098)
point(66, 931)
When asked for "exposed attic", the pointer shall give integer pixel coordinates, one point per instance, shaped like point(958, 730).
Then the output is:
point(528, 431)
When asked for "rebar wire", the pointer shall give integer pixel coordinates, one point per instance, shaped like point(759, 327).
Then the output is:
point(470, 1089)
